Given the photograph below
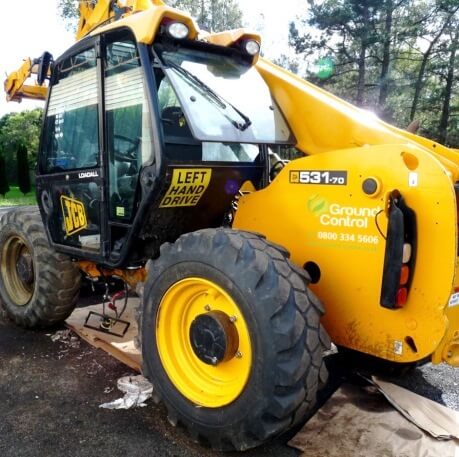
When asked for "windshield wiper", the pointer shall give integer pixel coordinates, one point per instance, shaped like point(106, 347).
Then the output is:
point(212, 95)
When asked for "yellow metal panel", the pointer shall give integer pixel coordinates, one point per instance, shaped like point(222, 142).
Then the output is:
point(448, 350)
point(145, 24)
point(231, 36)
point(91, 15)
point(322, 122)
point(335, 226)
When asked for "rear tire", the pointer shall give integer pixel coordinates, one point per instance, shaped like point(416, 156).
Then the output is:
point(278, 324)
point(38, 286)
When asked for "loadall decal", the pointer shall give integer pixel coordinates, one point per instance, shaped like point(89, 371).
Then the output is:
point(74, 213)
point(187, 187)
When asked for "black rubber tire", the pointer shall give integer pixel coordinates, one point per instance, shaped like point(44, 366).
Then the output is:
point(57, 279)
point(283, 317)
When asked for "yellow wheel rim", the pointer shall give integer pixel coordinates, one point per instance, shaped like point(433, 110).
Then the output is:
point(20, 290)
point(203, 384)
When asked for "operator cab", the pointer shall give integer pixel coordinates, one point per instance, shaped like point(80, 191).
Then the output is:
point(144, 143)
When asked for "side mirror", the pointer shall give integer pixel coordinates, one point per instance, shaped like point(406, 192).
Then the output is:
point(44, 66)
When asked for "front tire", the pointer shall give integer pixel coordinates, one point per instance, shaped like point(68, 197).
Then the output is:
point(231, 338)
point(38, 286)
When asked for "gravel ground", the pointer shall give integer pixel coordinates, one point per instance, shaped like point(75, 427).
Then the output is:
point(437, 382)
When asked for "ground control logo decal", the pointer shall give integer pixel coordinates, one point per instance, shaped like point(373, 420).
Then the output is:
point(335, 215)
point(74, 215)
point(187, 187)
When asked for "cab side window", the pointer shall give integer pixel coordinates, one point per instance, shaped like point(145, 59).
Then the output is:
point(129, 137)
point(179, 141)
point(71, 123)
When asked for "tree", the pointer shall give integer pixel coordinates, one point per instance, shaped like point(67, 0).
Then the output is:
point(18, 129)
point(395, 57)
point(4, 186)
point(347, 30)
point(441, 20)
point(448, 90)
point(23, 170)
point(387, 41)
point(211, 15)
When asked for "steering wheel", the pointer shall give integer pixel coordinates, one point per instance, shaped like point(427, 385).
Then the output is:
point(129, 155)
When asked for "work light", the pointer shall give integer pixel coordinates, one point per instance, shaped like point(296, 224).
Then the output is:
point(251, 47)
point(177, 30)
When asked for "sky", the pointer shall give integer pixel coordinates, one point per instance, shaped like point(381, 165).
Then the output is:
point(27, 29)
point(30, 27)
point(271, 19)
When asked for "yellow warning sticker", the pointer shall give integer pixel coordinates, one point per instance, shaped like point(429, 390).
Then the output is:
point(187, 187)
point(74, 215)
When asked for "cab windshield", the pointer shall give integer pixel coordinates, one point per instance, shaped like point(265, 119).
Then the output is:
point(223, 99)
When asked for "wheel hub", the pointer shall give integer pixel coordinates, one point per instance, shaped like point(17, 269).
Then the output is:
point(24, 268)
point(203, 342)
point(214, 337)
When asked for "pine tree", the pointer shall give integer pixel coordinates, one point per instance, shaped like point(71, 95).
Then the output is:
point(23, 170)
point(4, 186)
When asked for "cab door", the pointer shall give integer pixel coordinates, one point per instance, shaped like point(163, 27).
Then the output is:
point(128, 135)
point(70, 179)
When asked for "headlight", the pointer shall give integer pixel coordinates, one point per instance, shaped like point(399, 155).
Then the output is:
point(177, 30)
point(251, 47)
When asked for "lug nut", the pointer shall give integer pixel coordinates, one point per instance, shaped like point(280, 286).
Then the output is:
point(207, 307)
point(233, 319)
point(238, 355)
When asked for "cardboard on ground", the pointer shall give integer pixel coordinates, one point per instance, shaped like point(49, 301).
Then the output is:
point(355, 421)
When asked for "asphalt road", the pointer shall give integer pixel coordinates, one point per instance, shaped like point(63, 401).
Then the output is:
point(50, 394)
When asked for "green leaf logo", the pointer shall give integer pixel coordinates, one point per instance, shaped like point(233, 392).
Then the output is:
point(317, 205)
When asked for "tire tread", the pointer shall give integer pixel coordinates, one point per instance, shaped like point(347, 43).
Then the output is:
point(57, 279)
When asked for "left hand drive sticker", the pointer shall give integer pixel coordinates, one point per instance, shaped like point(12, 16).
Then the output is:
point(74, 215)
point(187, 187)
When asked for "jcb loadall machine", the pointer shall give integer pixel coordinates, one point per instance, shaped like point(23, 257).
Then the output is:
point(156, 166)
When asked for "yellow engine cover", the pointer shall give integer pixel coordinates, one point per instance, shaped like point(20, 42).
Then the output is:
point(317, 208)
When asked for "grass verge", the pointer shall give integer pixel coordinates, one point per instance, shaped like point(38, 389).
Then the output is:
point(14, 197)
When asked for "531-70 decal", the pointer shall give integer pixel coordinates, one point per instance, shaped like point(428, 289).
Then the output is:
point(330, 177)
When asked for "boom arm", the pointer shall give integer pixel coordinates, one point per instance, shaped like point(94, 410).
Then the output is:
point(15, 86)
point(92, 14)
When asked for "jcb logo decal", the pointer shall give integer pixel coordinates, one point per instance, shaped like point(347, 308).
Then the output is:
point(74, 215)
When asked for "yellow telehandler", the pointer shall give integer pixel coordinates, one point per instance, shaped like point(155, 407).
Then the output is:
point(160, 163)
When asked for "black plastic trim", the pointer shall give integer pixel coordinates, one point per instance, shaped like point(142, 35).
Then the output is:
point(402, 228)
